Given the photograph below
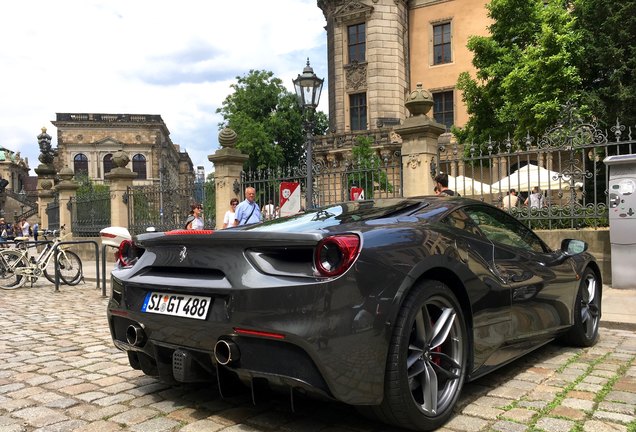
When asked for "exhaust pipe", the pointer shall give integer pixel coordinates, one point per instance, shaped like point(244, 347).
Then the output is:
point(135, 335)
point(226, 352)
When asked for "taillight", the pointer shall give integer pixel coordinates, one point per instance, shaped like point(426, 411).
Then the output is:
point(334, 255)
point(128, 253)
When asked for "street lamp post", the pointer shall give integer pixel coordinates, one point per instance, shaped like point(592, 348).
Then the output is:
point(22, 194)
point(308, 88)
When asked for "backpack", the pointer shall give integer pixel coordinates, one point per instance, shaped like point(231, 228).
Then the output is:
point(188, 221)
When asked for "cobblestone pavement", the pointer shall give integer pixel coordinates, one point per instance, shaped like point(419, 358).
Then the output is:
point(60, 372)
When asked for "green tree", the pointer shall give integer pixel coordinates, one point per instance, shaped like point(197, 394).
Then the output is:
point(209, 202)
point(367, 172)
point(267, 119)
point(607, 69)
point(526, 69)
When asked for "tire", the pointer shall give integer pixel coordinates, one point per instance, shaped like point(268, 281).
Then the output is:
point(70, 266)
point(587, 312)
point(9, 261)
point(427, 361)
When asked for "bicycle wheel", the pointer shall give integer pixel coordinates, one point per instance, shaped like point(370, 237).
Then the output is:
point(10, 260)
point(70, 267)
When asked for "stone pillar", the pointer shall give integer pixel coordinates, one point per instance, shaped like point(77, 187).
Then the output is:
point(228, 164)
point(419, 135)
point(120, 179)
point(66, 189)
point(46, 177)
point(46, 192)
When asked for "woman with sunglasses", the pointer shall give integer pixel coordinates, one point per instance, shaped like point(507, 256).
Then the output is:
point(194, 220)
point(228, 220)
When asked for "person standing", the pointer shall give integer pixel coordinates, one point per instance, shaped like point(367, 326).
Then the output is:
point(228, 219)
point(247, 212)
point(535, 199)
point(24, 226)
point(268, 211)
point(441, 181)
point(195, 221)
point(36, 229)
point(511, 200)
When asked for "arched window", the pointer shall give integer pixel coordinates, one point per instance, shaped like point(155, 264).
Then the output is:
point(80, 164)
point(108, 163)
point(139, 166)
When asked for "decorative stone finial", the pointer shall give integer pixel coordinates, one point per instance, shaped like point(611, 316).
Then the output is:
point(228, 138)
point(120, 159)
point(66, 174)
point(47, 154)
point(420, 101)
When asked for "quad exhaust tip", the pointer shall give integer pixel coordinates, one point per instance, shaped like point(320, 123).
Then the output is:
point(226, 352)
point(135, 335)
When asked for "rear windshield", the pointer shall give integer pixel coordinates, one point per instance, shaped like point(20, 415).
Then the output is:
point(349, 212)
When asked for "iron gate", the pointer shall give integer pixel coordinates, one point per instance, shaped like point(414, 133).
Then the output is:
point(332, 182)
point(163, 208)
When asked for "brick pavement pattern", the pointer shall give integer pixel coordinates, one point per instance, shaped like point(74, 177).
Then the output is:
point(59, 371)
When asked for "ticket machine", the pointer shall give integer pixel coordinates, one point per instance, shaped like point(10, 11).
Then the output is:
point(622, 218)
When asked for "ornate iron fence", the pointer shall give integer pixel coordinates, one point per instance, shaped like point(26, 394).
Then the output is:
point(565, 163)
point(332, 182)
point(90, 212)
point(53, 213)
point(162, 208)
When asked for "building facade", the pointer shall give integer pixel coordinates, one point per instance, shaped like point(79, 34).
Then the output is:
point(379, 50)
point(86, 144)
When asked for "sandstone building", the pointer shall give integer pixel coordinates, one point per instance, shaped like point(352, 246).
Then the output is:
point(86, 144)
point(378, 50)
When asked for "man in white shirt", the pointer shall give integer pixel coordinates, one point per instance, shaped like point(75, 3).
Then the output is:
point(511, 200)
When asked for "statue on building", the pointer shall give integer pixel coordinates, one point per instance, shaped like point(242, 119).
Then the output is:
point(47, 154)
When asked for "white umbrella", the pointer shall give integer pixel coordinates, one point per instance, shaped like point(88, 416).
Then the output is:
point(529, 176)
point(467, 186)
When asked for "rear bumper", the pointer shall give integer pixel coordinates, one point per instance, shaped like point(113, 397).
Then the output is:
point(331, 347)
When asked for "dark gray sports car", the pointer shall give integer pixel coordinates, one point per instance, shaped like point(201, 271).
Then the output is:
point(390, 305)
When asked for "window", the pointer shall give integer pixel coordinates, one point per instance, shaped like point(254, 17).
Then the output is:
point(139, 166)
point(80, 164)
point(500, 227)
point(441, 43)
point(443, 108)
point(108, 163)
point(357, 43)
point(358, 111)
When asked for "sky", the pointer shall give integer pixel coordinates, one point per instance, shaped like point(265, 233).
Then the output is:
point(173, 58)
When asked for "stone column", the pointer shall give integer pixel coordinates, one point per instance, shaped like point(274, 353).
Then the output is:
point(66, 189)
point(419, 135)
point(46, 177)
point(120, 179)
point(46, 192)
point(228, 164)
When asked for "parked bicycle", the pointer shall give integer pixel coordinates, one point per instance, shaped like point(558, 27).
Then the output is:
point(17, 267)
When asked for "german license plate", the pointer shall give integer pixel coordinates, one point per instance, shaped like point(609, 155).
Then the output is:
point(182, 305)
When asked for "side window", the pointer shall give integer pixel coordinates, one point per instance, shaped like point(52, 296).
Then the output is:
point(139, 166)
point(358, 111)
point(500, 227)
point(460, 220)
point(357, 42)
point(443, 108)
point(80, 164)
point(442, 43)
point(108, 163)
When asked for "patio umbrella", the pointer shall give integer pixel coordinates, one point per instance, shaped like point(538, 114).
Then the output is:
point(529, 176)
point(467, 186)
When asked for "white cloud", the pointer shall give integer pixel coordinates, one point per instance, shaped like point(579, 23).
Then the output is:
point(176, 59)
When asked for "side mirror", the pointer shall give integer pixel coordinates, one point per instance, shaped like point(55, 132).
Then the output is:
point(573, 246)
